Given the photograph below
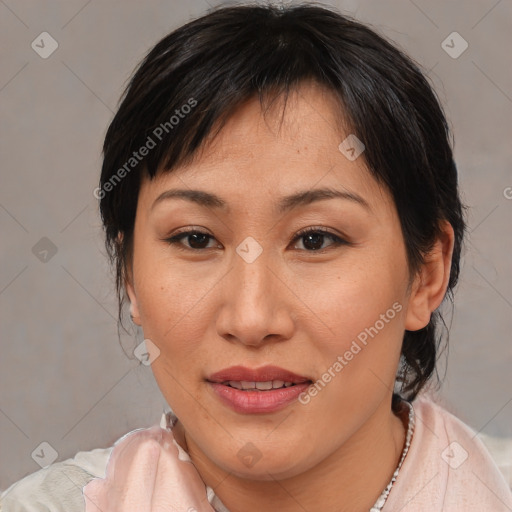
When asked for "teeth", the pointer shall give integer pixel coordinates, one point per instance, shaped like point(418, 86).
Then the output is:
point(259, 386)
point(264, 386)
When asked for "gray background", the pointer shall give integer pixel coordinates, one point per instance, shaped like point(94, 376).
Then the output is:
point(64, 377)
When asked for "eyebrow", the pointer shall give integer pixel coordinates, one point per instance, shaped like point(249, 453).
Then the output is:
point(287, 203)
point(196, 196)
point(319, 194)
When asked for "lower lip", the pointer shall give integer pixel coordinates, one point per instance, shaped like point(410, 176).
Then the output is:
point(252, 402)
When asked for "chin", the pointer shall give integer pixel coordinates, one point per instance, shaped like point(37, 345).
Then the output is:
point(252, 464)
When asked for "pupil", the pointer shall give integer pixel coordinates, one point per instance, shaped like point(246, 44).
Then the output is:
point(197, 240)
point(316, 240)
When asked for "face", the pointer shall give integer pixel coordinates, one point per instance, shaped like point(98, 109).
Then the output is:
point(226, 277)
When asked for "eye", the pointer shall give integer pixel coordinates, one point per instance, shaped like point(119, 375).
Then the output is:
point(313, 239)
point(197, 240)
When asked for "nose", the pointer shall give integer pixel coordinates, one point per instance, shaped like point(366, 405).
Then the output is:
point(257, 305)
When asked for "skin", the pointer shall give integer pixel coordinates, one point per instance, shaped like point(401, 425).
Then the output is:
point(207, 309)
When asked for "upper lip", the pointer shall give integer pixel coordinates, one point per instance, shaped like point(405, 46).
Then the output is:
point(263, 374)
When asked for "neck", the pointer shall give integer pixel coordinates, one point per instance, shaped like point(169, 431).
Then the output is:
point(351, 478)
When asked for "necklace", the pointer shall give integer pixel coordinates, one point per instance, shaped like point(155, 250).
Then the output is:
point(379, 504)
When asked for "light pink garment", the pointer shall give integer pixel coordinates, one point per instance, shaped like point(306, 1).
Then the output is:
point(148, 472)
point(447, 468)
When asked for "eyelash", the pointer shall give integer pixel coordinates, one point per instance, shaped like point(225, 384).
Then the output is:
point(337, 241)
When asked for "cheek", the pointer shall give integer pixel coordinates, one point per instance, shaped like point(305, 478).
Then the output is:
point(173, 305)
point(356, 298)
point(362, 312)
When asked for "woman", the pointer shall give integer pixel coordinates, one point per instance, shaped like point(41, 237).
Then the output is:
point(281, 206)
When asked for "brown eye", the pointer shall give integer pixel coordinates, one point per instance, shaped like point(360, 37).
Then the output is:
point(313, 239)
point(196, 240)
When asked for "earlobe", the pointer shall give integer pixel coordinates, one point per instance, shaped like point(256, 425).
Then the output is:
point(431, 282)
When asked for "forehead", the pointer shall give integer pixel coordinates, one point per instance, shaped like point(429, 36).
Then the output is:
point(293, 144)
point(305, 122)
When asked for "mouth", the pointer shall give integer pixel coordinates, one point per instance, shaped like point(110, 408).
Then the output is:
point(262, 390)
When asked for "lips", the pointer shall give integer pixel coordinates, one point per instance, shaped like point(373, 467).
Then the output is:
point(262, 390)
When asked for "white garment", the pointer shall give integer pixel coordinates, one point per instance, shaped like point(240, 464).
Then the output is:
point(57, 488)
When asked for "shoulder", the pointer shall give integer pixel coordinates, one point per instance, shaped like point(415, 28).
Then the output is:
point(488, 450)
point(448, 467)
point(58, 487)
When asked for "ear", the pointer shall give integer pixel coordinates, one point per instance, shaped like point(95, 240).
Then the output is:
point(130, 288)
point(430, 283)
